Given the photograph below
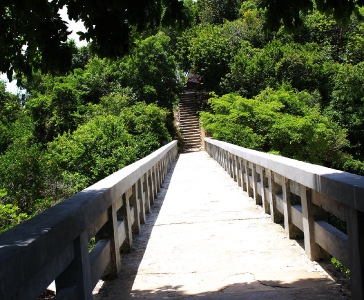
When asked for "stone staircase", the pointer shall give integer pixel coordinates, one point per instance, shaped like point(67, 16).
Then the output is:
point(188, 122)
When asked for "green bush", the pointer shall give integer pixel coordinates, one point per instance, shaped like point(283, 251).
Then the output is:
point(278, 121)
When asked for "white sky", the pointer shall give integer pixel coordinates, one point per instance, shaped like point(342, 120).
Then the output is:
point(11, 87)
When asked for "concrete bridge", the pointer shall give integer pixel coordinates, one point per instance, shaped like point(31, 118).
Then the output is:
point(198, 230)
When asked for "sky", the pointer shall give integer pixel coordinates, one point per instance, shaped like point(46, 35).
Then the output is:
point(74, 26)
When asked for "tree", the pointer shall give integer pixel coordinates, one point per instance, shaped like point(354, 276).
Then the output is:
point(305, 67)
point(290, 12)
point(347, 104)
point(9, 111)
point(33, 35)
point(151, 72)
point(280, 121)
point(116, 135)
point(217, 11)
point(209, 49)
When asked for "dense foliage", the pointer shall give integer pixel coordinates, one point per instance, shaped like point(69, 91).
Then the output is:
point(261, 79)
point(67, 132)
point(33, 36)
point(283, 122)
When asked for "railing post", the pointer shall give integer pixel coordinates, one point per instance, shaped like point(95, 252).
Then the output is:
point(221, 155)
point(164, 167)
point(151, 183)
point(147, 192)
point(235, 168)
point(126, 216)
point(141, 194)
point(256, 196)
point(78, 274)
point(355, 227)
point(159, 179)
point(155, 182)
point(311, 248)
point(263, 184)
point(134, 201)
point(246, 179)
point(251, 184)
point(231, 165)
point(239, 171)
point(225, 159)
point(272, 192)
point(291, 230)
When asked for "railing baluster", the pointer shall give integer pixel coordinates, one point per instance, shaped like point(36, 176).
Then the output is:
point(148, 191)
point(134, 201)
point(151, 186)
point(239, 171)
point(78, 272)
point(310, 212)
point(263, 183)
point(142, 194)
point(256, 196)
point(126, 216)
point(246, 178)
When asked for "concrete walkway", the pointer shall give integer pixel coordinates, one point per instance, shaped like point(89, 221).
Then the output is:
point(206, 239)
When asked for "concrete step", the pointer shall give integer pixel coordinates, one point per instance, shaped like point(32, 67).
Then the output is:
point(188, 114)
point(191, 136)
point(189, 121)
point(191, 146)
point(189, 103)
point(191, 129)
point(185, 126)
point(187, 109)
point(192, 104)
point(189, 142)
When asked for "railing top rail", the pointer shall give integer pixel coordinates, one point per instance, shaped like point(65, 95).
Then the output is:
point(344, 187)
point(53, 230)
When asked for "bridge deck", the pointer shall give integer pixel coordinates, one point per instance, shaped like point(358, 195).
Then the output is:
point(206, 238)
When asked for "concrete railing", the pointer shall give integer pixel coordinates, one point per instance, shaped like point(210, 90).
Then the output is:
point(55, 244)
point(301, 195)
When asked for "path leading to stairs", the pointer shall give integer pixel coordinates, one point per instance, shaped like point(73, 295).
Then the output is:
point(206, 239)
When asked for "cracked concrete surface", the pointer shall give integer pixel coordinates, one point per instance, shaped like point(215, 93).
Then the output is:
point(206, 238)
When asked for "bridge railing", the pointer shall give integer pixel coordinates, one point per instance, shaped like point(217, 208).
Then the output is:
point(55, 244)
point(302, 195)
